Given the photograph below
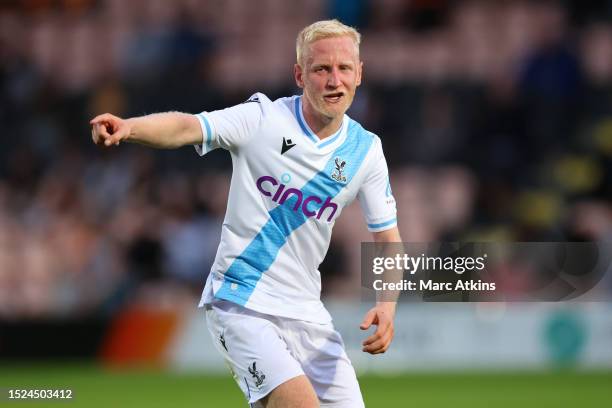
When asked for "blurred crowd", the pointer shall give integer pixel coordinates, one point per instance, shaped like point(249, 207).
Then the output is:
point(496, 119)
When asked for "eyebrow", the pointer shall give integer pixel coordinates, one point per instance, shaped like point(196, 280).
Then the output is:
point(325, 64)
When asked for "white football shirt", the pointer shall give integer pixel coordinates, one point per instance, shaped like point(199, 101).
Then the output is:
point(287, 189)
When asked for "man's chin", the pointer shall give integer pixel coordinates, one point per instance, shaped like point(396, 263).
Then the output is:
point(332, 111)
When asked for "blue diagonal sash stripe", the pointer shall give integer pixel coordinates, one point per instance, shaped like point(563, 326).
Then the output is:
point(246, 270)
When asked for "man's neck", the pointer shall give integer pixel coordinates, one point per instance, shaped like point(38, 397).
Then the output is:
point(322, 126)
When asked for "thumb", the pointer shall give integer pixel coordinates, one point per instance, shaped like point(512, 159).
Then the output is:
point(368, 320)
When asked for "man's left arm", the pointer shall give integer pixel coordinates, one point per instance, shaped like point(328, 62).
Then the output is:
point(383, 313)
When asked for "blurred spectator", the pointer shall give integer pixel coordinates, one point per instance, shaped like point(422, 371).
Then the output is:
point(496, 119)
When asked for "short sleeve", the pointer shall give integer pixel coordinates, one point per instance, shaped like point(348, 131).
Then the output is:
point(375, 195)
point(230, 128)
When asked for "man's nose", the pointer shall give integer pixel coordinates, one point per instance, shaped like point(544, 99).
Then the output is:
point(333, 80)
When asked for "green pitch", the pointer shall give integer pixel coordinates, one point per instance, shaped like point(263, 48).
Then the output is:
point(94, 387)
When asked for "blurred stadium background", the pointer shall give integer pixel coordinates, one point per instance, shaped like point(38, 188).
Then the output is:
point(496, 118)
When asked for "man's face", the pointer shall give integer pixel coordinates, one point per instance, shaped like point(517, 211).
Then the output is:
point(330, 75)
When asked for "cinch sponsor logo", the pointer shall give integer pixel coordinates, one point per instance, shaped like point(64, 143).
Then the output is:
point(311, 206)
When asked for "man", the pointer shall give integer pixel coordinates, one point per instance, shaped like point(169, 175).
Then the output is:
point(297, 162)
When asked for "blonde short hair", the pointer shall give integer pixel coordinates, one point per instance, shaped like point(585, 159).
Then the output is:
point(324, 29)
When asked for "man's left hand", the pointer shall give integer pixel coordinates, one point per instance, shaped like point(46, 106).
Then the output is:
point(382, 316)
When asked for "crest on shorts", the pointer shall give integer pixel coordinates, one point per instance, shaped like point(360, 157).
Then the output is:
point(338, 173)
point(257, 375)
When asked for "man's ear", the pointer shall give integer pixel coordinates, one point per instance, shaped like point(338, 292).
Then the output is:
point(298, 74)
point(359, 73)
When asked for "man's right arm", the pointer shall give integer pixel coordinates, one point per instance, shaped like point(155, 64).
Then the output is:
point(168, 130)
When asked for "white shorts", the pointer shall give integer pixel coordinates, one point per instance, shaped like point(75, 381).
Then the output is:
point(264, 351)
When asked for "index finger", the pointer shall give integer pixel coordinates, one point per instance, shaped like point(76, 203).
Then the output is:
point(105, 117)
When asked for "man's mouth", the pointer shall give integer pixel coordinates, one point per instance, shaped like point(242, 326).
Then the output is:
point(334, 97)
